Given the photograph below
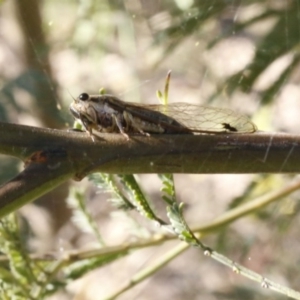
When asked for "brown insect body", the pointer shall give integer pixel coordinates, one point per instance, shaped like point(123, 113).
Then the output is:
point(106, 113)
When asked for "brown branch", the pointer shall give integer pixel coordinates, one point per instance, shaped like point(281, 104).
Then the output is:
point(112, 153)
point(36, 180)
point(57, 155)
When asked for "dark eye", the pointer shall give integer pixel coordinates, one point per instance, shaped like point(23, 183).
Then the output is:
point(84, 96)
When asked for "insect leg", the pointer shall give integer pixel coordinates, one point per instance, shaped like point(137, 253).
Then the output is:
point(89, 130)
point(87, 127)
point(91, 135)
point(119, 125)
point(130, 120)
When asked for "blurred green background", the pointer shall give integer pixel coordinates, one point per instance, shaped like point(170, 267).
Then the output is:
point(243, 55)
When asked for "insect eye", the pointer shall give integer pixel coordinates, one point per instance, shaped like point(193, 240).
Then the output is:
point(84, 96)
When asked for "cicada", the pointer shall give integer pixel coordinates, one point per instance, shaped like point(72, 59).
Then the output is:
point(106, 113)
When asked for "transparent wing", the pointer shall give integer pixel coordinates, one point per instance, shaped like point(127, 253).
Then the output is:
point(201, 118)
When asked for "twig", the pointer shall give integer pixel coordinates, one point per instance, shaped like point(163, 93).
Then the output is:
point(73, 154)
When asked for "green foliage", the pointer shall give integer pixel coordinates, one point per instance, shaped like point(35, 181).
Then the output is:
point(168, 188)
point(282, 39)
point(175, 213)
point(138, 198)
point(81, 215)
point(21, 276)
point(80, 268)
point(179, 224)
point(108, 183)
point(24, 277)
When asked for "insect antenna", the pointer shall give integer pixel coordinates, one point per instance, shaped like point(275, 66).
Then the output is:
point(71, 95)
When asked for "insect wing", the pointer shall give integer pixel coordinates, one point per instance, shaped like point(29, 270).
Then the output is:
point(149, 113)
point(195, 117)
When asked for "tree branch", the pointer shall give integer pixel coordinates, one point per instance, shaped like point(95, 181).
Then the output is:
point(36, 180)
point(112, 153)
point(64, 154)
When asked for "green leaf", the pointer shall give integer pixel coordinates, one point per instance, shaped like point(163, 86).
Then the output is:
point(138, 198)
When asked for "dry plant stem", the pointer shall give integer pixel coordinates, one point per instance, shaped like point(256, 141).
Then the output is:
point(147, 272)
point(112, 153)
point(249, 207)
point(235, 267)
point(264, 282)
